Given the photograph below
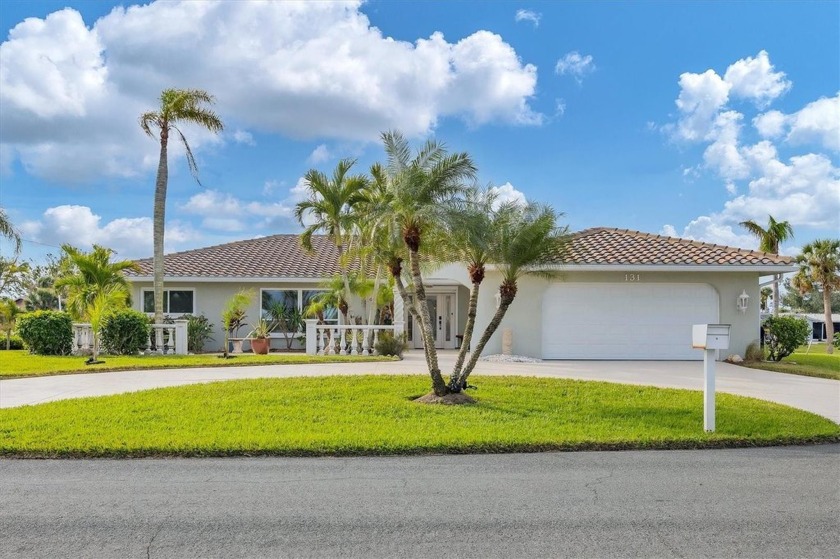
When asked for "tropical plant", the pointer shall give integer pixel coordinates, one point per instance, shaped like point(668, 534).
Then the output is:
point(783, 334)
point(807, 302)
point(233, 315)
point(261, 329)
point(528, 241)
point(9, 311)
point(819, 270)
point(286, 320)
point(421, 187)
point(46, 332)
point(766, 293)
point(8, 231)
point(199, 330)
point(769, 239)
point(177, 106)
point(388, 344)
point(14, 277)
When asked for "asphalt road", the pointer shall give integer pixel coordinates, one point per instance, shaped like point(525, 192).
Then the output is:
point(777, 502)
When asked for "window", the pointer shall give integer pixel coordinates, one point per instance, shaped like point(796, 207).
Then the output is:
point(175, 301)
point(299, 299)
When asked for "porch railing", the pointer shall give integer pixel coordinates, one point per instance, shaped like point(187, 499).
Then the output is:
point(163, 338)
point(346, 339)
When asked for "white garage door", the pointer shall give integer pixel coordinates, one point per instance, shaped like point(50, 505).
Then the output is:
point(625, 321)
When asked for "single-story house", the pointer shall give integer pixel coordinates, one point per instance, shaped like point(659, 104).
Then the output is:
point(620, 294)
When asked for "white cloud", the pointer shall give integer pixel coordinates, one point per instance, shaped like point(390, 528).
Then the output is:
point(79, 226)
point(506, 193)
point(575, 65)
point(72, 94)
point(754, 79)
point(244, 137)
point(817, 122)
point(222, 211)
point(528, 15)
point(770, 124)
point(559, 107)
point(319, 155)
point(701, 97)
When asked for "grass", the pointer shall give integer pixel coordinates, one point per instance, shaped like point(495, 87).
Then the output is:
point(19, 363)
point(815, 363)
point(375, 415)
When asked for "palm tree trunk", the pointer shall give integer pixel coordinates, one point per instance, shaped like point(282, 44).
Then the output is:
point(410, 303)
point(159, 221)
point(438, 384)
point(372, 308)
point(465, 342)
point(829, 324)
point(489, 331)
point(778, 278)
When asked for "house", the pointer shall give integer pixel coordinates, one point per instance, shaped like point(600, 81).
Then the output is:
point(619, 294)
point(816, 323)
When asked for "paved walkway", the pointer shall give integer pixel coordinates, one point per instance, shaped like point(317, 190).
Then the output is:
point(820, 396)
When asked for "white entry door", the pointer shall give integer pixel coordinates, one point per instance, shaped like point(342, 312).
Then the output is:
point(442, 313)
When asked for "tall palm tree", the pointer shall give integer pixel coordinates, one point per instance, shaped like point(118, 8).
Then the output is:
point(469, 240)
point(96, 288)
point(819, 267)
point(769, 240)
point(329, 208)
point(526, 240)
point(177, 106)
point(7, 230)
point(422, 187)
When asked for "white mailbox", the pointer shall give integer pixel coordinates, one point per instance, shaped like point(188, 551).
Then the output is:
point(710, 336)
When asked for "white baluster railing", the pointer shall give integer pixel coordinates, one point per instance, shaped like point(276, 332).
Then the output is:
point(168, 338)
point(346, 339)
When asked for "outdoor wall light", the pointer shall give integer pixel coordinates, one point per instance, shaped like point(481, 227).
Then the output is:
point(743, 301)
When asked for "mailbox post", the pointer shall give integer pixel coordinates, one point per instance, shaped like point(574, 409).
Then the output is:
point(709, 337)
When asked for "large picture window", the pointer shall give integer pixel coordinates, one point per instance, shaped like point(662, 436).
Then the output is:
point(299, 299)
point(175, 301)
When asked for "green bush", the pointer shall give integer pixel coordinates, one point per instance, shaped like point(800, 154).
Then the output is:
point(783, 334)
point(125, 332)
point(198, 332)
point(754, 352)
point(46, 332)
point(14, 343)
point(389, 345)
point(836, 342)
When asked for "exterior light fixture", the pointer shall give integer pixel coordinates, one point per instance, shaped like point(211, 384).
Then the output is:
point(743, 301)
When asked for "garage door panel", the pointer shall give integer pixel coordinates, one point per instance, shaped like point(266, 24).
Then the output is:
point(624, 321)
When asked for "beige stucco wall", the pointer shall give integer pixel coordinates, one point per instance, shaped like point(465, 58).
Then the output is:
point(524, 316)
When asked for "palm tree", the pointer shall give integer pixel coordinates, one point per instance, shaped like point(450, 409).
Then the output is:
point(769, 240)
point(96, 287)
point(422, 187)
point(527, 240)
point(9, 312)
point(177, 106)
point(819, 267)
point(469, 240)
point(766, 293)
point(330, 208)
point(7, 230)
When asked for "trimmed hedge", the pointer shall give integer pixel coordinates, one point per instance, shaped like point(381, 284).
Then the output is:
point(125, 332)
point(14, 343)
point(46, 332)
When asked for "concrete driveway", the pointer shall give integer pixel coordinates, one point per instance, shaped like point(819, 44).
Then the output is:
point(820, 396)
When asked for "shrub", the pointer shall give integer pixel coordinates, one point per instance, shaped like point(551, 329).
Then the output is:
point(783, 334)
point(125, 332)
point(46, 332)
point(754, 352)
point(14, 343)
point(836, 342)
point(198, 332)
point(389, 345)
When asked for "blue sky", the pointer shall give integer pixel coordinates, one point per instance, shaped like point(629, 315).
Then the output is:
point(680, 118)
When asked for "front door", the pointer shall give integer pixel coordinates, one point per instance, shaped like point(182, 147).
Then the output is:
point(442, 313)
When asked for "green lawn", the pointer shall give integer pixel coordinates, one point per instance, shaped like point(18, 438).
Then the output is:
point(14, 364)
point(376, 415)
point(815, 363)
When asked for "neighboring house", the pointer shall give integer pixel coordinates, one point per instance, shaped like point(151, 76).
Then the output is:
point(620, 295)
point(816, 322)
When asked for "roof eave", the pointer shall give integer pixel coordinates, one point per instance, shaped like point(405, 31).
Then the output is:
point(760, 268)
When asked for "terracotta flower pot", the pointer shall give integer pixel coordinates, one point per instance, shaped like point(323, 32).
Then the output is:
point(260, 345)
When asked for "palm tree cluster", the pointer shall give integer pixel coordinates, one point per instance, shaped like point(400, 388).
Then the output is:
point(819, 270)
point(422, 208)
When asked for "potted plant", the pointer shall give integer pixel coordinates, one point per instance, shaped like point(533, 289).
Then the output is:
point(233, 318)
point(260, 342)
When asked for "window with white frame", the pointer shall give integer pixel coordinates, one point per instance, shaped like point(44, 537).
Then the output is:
point(295, 299)
point(175, 301)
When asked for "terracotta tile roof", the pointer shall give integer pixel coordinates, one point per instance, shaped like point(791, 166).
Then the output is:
point(278, 256)
point(606, 246)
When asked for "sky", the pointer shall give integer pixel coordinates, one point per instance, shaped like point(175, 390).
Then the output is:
point(674, 118)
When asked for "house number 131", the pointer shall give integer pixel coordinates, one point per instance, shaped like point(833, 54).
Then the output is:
point(632, 277)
